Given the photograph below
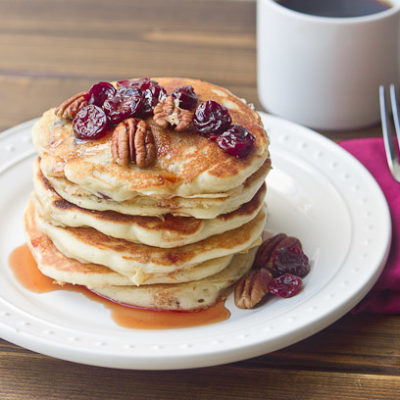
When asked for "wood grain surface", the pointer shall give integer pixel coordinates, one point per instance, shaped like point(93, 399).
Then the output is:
point(50, 49)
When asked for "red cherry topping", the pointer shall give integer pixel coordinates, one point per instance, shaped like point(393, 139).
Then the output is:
point(286, 285)
point(90, 123)
point(153, 93)
point(127, 102)
point(211, 119)
point(99, 93)
point(290, 260)
point(186, 96)
point(236, 141)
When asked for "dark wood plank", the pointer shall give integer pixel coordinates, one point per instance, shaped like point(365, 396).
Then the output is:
point(112, 40)
point(46, 378)
point(357, 343)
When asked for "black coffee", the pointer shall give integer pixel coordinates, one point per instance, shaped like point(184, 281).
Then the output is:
point(337, 8)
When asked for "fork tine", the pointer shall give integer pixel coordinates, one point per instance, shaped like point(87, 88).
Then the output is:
point(395, 111)
point(388, 135)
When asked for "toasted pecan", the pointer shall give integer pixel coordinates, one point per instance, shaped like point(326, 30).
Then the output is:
point(70, 107)
point(252, 288)
point(168, 113)
point(133, 142)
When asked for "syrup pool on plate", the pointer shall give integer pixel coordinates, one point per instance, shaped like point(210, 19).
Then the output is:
point(29, 276)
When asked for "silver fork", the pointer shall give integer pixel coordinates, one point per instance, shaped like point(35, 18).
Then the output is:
point(391, 146)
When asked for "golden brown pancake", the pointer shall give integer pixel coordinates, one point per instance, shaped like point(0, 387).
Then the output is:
point(166, 231)
point(138, 261)
point(185, 296)
point(202, 208)
point(54, 264)
point(188, 295)
point(187, 164)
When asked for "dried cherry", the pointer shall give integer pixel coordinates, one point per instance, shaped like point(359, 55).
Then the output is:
point(290, 260)
point(99, 93)
point(127, 102)
point(236, 141)
point(186, 96)
point(211, 119)
point(286, 285)
point(90, 123)
point(153, 93)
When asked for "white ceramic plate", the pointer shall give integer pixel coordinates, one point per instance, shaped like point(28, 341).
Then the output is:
point(316, 191)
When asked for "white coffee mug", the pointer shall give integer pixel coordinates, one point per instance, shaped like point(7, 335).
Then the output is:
point(325, 72)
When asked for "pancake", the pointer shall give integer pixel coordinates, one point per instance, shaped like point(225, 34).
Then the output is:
point(175, 234)
point(138, 261)
point(62, 269)
point(201, 208)
point(185, 296)
point(189, 295)
point(187, 164)
point(168, 231)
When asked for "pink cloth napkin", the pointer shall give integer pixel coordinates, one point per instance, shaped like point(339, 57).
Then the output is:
point(384, 298)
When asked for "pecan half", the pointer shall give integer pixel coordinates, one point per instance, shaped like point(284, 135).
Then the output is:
point(167, 112)
point(70, 107)
point(133, 142)
point(252, 287)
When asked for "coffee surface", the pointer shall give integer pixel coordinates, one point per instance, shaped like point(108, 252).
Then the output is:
point(337, 8)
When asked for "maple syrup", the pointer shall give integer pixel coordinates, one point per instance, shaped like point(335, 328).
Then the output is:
point(29, 276)
point(27, 273)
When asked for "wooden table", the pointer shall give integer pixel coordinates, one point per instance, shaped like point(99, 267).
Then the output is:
point(50, 49)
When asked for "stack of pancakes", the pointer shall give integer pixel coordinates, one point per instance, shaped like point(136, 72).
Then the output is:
point(174, 236)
